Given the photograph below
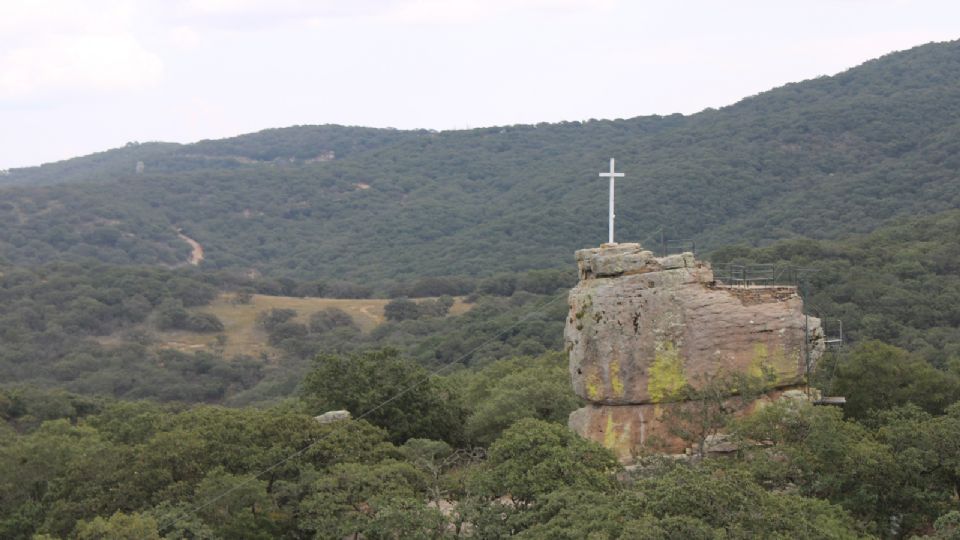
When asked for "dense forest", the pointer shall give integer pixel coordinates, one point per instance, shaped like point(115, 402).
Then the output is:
point(480, 453)
point(94, 328)
point(99, 329)
point(471, 441)
point(111, 428)
point(822, 159)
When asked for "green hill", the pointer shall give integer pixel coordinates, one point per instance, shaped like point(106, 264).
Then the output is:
point(822, 159)
point(276, 146)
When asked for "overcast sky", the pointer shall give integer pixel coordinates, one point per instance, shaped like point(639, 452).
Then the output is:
point(83, 76)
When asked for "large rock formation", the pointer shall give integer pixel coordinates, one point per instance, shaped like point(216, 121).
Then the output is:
point(641, 327)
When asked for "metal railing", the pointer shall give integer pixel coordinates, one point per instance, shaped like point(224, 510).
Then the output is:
point(675, 247)
point(832, 333)
point(749, 275)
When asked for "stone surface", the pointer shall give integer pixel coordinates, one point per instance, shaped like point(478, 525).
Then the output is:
point(612, 260)
point(640, 327)
point(627, 430)
point(632, 430)
point(332, 416)
point(719, 444)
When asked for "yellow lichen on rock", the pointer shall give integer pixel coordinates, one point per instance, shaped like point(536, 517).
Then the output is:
point(616, 436)
point(593, 385)
point(616, 382)
point(772, 366)
point(759, 363)
point(666, 377)
point(609, 436)
point(784, 366)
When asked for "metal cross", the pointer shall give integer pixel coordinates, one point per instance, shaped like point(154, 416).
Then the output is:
point(613, 175)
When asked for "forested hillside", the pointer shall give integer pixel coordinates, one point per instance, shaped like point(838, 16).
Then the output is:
point(479, 454)
point(899, 284)
point(289, 145)
point(130, 409)
point(822, 158)
point(100, 329)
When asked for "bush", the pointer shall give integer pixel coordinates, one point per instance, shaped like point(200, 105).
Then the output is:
point(242, 297)
point(203, 322)
point(287, 330)
point(329, 318)
point(343, 289)
point(436, 308)
point(171, 315)
point(268, 320)
point(401, 309)
point(394, 393)
point(533, 458)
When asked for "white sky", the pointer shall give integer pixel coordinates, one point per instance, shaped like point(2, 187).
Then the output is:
point(78, 76)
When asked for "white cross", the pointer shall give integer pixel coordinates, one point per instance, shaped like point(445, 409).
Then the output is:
point(613, 175)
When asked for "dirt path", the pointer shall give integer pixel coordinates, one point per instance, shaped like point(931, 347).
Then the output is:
point(196, 255)
point(374, 317)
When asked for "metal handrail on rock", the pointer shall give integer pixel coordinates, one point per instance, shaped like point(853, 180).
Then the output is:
point(759, 275)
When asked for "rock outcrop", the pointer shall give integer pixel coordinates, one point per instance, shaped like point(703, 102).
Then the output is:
point(330, 417)
point(642, 327)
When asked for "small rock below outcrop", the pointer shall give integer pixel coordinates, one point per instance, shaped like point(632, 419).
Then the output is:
point(332, 416)
point(720, 444)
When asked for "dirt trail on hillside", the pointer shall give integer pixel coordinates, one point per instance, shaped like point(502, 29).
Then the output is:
point(196, 255)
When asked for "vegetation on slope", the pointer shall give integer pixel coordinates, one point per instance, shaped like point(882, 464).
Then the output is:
point(138, 332)
point(462, 419)
point(78, 467)
point(98, 328)
point(822, 158)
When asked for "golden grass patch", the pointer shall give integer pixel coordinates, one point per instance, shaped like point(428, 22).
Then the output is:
point(245, 337)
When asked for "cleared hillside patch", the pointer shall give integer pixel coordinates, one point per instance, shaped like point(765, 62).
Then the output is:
point(245, 337)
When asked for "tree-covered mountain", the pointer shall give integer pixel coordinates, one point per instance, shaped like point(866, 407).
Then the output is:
point(822, 158)
point(853, 177)
point(288, 145)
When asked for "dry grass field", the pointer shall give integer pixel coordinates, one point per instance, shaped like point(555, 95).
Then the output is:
point(243, 335)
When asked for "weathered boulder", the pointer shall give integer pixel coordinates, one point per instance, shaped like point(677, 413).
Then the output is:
point(641, 327)
point(612, 260)
point(330, 417)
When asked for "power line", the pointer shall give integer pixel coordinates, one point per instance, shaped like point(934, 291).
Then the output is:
point(536, 311)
